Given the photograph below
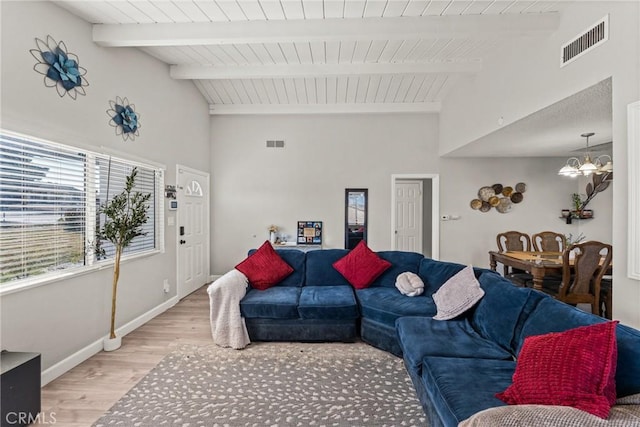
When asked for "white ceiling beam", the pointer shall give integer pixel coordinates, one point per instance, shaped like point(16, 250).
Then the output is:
point(197, 72)
point(312, 30)
point(416, 107)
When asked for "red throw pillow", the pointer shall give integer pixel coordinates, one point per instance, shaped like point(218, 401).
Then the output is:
point(264, 268)
point(361, 266)
point(573, 368)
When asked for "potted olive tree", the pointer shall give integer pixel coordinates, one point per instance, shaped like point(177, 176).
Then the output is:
point(125, 214)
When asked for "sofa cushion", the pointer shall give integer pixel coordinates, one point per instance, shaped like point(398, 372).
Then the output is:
point(279, 302)
point(554, 316)
point(327, 302)
point(423, 336)
point(264, 268)
point(435, 273)
point(460, 387)
point(320, 271)
point(361, 266)
point(628, 366)
point(500, 313)
point(461, 292)
point(573, 368)
point(400, 262)
point(296, 259)
point(385, 305)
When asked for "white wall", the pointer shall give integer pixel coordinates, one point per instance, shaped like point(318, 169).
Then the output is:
point(63, 317)
point(254, 186)
point(526, 78)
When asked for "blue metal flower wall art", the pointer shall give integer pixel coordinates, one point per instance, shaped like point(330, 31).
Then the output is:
point(60, 68)
point(124, 118)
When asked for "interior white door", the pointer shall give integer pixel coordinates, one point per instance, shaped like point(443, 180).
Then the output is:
point(193, 230)
point(408, 232)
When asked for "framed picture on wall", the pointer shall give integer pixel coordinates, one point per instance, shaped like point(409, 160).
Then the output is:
point(309, 233)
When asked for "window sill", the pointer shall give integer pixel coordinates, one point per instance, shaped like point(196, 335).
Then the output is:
point(22, 285)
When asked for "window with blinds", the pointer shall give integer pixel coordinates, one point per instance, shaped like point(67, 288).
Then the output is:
point(50, 196)
point(111, 175)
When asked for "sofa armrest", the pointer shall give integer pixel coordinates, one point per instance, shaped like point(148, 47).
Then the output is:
point(626, 412)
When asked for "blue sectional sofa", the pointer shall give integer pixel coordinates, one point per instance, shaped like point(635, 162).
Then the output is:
point(457, 366)
point(316, 303)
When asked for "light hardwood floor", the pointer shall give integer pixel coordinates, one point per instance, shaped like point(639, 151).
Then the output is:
point(82, 395)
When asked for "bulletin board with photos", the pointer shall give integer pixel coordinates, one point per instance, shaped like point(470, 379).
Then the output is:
point(309, 233)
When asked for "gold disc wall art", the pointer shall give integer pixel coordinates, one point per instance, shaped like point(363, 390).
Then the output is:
point(498, 196)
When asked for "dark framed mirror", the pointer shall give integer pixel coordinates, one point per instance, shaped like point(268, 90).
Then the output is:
point(355, 216)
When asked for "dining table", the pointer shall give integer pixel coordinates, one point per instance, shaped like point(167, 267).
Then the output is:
point(538, 264)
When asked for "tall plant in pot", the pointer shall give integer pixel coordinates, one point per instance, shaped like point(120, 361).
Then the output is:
point(125, 214)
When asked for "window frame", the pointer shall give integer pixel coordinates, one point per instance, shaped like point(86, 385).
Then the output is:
point(92, 264)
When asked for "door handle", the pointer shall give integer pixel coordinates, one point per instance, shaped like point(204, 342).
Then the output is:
point(182, 242)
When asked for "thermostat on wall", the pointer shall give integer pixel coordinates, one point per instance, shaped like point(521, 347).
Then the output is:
point(173, 205)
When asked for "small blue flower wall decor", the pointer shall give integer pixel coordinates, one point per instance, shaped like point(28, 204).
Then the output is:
point(124, 118)
point(60, 68)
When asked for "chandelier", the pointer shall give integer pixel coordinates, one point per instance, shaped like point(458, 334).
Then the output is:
point(574, 167)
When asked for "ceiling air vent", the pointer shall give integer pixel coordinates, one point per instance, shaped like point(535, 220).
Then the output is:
point(275, 143)
point(585, 41)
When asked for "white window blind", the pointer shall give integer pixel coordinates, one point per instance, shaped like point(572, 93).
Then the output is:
point(49, 202)
point(112, 174)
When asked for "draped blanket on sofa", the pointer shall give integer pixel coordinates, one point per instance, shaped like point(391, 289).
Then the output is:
point(227, 325)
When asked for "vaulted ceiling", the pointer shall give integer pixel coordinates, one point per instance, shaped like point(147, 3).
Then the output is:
point(296, 56)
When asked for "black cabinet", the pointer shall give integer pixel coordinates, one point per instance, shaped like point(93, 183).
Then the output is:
point(20, 383)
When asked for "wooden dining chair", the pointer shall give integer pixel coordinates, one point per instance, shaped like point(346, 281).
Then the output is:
point(515, 241)
point(581, 280)
point(549, 241)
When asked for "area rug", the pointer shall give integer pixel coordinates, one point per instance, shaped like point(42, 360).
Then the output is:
point(272, 384)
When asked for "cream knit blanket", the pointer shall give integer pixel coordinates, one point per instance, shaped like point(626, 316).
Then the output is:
point(227, 325)
point(625, 413)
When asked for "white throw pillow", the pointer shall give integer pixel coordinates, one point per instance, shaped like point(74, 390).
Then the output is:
point(409, 284)
point(457, 295)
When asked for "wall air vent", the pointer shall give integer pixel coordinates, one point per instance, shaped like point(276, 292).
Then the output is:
point(275, 143)
point(585, 41)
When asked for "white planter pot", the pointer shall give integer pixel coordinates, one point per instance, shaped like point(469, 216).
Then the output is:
point(111, 344)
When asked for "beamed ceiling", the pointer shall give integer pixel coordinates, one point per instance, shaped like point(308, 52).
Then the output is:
point(314, 56)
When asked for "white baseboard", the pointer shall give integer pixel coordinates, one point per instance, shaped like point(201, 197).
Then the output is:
point(214, 277)
point(95, 347)
point(70, 362)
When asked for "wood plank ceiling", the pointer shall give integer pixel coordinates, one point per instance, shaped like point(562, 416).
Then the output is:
point(308, 56)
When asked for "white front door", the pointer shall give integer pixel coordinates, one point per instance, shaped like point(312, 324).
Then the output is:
point(408, 232)
point(193, 229)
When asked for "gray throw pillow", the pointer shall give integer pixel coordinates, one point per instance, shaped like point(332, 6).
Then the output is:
point(457, 295)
